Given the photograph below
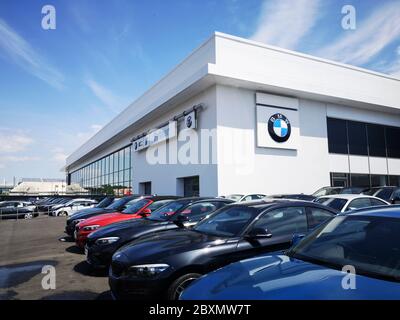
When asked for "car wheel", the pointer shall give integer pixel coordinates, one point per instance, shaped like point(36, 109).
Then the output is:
point(28, 216)
point(63, 214)
point(180, 284)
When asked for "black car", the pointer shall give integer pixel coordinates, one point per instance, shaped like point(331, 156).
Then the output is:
point(102, 244)
point(293, 196)
point(116, 206)
point(17, 210)
point(167, 262)
point(46, 207)
point(389, 194)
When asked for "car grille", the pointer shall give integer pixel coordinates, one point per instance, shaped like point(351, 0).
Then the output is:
point(117, 268)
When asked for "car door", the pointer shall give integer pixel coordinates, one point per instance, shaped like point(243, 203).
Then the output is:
point(282, 223)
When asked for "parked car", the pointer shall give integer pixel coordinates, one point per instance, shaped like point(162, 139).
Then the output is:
point(167, 262)
point(136, 209)
point(312, 270)
point(185, 212)
point(353, 190)
point(327, 191)
point(389, 194)
point(244, 197)
point(296, 196)
point(347, 202)
point(17, 210)
point(72, 206)
point(117, 206)
point(48, 205)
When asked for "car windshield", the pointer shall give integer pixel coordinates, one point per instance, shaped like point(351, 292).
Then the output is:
point(227, 222)
point(384, 193)
point(166, 212)
point(370, 244)
point(234, 197)
point(334, 203)
point(135, 205)
point(117, 204)
point(105, 202)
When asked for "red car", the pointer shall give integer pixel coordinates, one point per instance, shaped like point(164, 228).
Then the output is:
point(137, 208)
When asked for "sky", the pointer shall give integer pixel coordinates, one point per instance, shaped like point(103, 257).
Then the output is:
point(58, 87)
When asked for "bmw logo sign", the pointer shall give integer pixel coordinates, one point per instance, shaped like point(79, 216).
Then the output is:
point(189, 122)
point(279, 127)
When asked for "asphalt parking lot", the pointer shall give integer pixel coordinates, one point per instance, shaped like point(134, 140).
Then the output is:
point(28, 245)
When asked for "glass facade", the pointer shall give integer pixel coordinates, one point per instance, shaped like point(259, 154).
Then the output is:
point(364, 139)
point(109, 175)
point(340, 179)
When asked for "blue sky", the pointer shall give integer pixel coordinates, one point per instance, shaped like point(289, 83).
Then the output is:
point(58, 87)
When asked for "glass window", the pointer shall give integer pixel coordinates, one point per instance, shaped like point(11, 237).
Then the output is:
point(357, 134)
point(378, 181)
point(376, 140)
point(334, 203)
point(318, 216)
point(370, 244)
point(376, 202)
point(393, 142)
point(227, 222)
point(121, 159)
point(135, 205)
point(115, 162)
point(111, 159)
point(199, 210)
point(360, 180)
point(384, 193)
point(284, 221)
point(359, 204)
point(394, 181)
point(337, 136)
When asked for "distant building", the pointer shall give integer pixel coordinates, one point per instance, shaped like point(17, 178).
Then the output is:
point(38, 186)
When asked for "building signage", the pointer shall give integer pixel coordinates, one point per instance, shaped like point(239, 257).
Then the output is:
point(156, 136)
point(279, 127)
point(277, 122)
point(190, 120)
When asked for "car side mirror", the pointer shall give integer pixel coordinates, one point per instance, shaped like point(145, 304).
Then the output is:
point(180, 220)
point(297, 237)
point(145, 212)
point(258, 233)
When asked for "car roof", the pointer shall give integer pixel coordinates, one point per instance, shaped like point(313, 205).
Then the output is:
point(265, 203)
point(347, 196)
point(392, 211)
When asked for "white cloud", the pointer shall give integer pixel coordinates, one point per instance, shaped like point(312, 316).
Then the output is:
point(16, 48)
point(285, 22)
point(104, 95)
point(380, 29)
point(13, 142)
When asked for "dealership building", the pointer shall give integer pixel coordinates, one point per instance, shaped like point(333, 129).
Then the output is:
point(237, 116)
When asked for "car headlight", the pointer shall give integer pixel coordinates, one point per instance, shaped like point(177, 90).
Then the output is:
point(147, 270)
point(91, 228)
point(107, 240)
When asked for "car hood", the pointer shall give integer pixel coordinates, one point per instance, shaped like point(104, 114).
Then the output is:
point(126, 227)
point(90, 212)
point(280, 277)
point(165, 244)
point(100, 219)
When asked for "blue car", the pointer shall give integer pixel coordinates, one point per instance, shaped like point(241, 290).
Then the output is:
point(366, 243)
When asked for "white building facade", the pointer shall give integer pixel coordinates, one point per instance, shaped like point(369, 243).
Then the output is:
point(238, 116)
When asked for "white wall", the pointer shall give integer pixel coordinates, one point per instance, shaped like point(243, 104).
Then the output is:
point(270, 171)
point(164, 176)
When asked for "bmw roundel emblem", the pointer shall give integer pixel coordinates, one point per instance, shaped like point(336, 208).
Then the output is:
point(189, 122)
point(279, 127)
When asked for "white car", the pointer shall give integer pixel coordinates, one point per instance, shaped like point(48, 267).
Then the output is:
point(72, 206)
point(347, 202)
point(245, 197)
